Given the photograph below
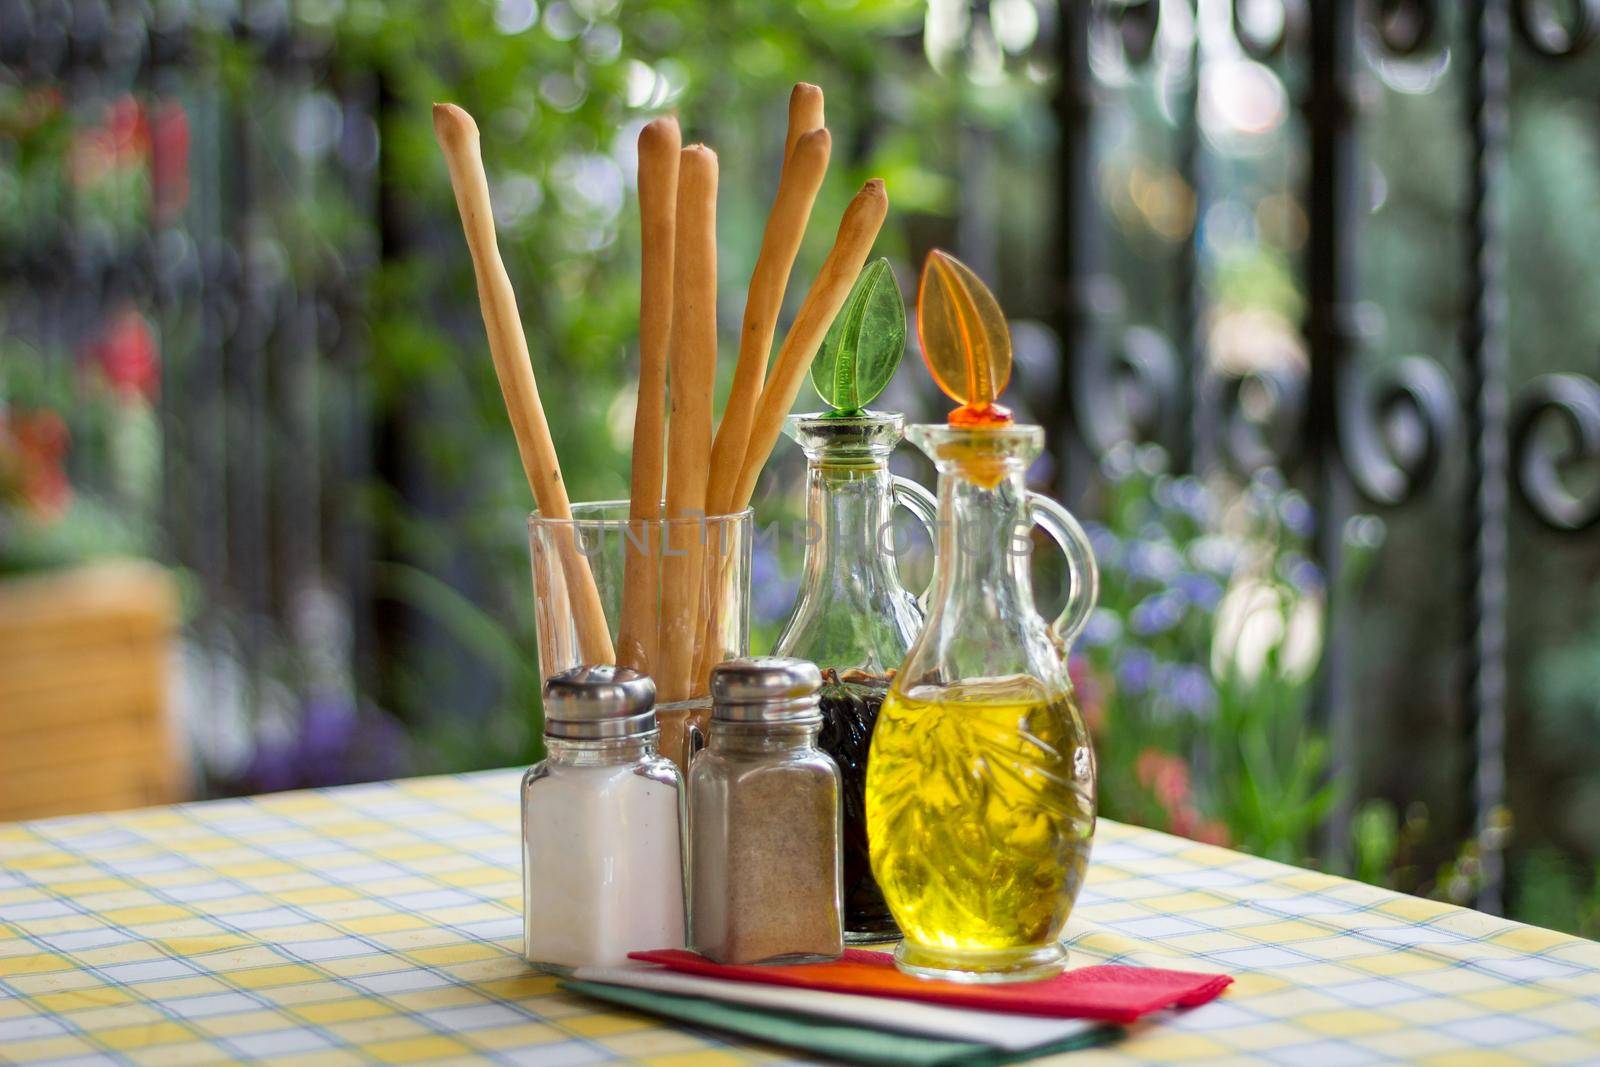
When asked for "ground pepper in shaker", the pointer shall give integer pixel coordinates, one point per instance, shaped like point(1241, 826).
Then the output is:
point(602, 825)
point(764, 834)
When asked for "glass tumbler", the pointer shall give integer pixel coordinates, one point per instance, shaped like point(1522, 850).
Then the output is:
point(675, 594)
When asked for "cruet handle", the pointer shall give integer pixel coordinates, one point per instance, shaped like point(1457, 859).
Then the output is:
point(1084, 590)
point(916, 499)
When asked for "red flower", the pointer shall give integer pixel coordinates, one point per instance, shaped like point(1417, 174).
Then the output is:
point(41, 435)
point(1149, 763)
point(126, 131)
point(1187, 821)
point(1090, 693)
point(33, 445)
point(169, 160)
point(1182, 821)
point(128, 356)
point(47, 492)
point(1165, 775)
point(121, 141)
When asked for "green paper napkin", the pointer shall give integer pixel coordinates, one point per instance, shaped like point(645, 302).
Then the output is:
point(852, 1043)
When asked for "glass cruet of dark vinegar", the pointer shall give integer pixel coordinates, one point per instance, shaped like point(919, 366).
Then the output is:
point(853, 617)
point(981, 789)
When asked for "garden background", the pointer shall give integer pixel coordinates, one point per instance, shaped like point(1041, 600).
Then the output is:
point(238, 336)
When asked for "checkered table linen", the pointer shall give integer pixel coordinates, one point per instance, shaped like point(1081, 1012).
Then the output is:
point(381, 924)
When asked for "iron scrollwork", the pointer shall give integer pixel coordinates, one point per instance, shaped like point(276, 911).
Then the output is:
point(1405, 27)
point(1573, 402)
point(1553, 35)
point(1136, 23)
point(1551, 401)
point(1293, 22)
point(1395, 424)
point(1262, 415)
point(1126, 391)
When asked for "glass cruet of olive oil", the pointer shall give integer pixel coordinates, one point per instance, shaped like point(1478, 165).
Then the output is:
point(981, 782)
point(853, 617)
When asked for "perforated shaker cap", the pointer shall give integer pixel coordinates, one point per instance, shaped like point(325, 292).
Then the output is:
point(775, 689)
point(599, 703)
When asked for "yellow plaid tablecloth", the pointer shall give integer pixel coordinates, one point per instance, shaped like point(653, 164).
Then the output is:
point(381, 924)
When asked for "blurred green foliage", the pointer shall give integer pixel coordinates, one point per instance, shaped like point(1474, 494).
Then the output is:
point(966, 143)
point(559, 92)
point(1197, 670)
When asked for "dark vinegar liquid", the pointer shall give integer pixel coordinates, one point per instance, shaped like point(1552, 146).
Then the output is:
point(849, 705)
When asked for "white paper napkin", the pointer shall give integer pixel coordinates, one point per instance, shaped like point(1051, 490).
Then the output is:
point(1001, 1030)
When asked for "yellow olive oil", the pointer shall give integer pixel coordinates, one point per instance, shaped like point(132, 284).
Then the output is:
point(980, 815)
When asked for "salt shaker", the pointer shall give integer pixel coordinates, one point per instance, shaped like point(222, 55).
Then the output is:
point(602, 825)
point(765, 882)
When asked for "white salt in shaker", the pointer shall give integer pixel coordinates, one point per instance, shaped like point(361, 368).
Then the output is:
point(602, 825)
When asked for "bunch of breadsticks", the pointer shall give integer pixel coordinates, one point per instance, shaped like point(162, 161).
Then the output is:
point(683, 471)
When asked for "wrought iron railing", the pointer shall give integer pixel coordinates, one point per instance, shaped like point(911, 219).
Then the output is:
point(1362, 431)
point(261, 340)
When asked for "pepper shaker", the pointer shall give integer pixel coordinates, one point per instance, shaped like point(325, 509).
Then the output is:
point(765, 881)
point(602, 825)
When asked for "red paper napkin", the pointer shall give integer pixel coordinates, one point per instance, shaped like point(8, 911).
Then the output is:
point(1107, 992)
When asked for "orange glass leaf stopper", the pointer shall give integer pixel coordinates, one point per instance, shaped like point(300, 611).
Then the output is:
point(965, 340)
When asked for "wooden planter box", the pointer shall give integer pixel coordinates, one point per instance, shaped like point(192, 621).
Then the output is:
point(84, 661)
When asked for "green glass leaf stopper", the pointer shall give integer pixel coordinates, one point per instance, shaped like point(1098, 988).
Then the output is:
point(864, 345)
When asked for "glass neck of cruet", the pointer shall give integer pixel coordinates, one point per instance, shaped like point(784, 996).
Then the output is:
point(849, 585)
point(849, 502)
point(985, 526)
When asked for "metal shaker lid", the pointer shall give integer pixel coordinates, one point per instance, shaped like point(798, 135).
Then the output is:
point(598, 703)
point(775, 689)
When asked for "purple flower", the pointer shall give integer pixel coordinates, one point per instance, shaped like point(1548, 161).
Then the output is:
point(771, 595)
point(1157, 613)
point(328, 730)
point(1118, 462)
point(1134, 671)
point(1201, 590)
point(1189, 497)
point(1268, 480)
point(273, 768)
point(335, 742)
point(1150, 458)
point(1102, 629)
point(1266, 485)
point(1107, 547)
point(1153, 561)
point(1302, 573)
point(1187, 687)
point(1216, 554)
point(1297, 514)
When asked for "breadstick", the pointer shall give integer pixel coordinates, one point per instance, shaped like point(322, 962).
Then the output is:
point(458, 137)
point(693, 361)
point(780, 243)
point(786, 226)
point(857, 231)
point(805, 115)
point(659, 144)
point(805, 163)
